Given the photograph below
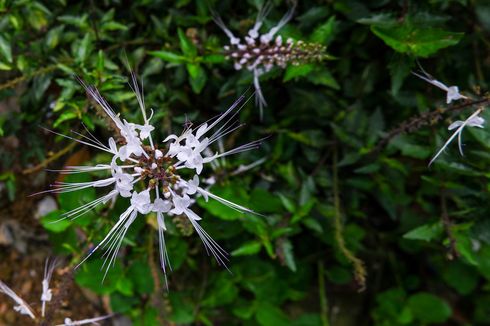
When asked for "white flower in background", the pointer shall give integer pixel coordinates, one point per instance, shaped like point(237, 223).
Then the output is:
point(160, 170)
point(259, 53)
point(473, 121)
point(47, 294)
point(452, 91)
point(24, 309)
point(69, 322)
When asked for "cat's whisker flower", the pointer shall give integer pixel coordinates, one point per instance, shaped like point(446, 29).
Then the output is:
point(473, 120)
point(152, 176)
point(259, 53)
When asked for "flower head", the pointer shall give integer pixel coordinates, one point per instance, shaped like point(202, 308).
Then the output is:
point(259, 53)
point(169, 174)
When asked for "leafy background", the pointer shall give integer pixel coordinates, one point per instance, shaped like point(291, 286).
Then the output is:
point(358, 229)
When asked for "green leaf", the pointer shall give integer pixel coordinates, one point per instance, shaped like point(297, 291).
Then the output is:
point(91, 273)
point(248, 248)
point(427, 232)
point(264, 201)
point(197, 77)
point(222, 292)
point(429, 308)
point(84, 48)
point(169, 56)
point(269, 315)
point(213, 58)
point(292, 72)
point(52, 222)
point(325, 32)
point(461, 277)
point(287, 249)
point(187, 47)
point(322, 76)
point(72, 200)
point(140, 274)
point(421, 42)
point(5, 49)
point(65, 116)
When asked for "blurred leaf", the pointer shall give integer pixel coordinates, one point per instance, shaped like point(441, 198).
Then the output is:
point(5, 49)
point(325, 32)
point(248, 248)
point(197, 77)
point(421, 42)
point(269, 315)
point(428, 308)
point(293, 72)
point(169, 56)
point(53, 222)
point(186, 45)
point(427, 232)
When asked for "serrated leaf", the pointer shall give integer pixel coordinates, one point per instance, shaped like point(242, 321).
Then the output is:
point(197, 76)
point(169, 56)
point(429, 308)
point(421, 42)
point(425, 232)
point(293, 72)
point(187, 47)
point(248, 248)
point(325, 32)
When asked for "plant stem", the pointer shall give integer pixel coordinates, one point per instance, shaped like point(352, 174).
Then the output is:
point(358, 264)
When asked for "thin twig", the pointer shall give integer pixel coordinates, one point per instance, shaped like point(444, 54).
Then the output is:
point(359, 268)
point(13, 82)
point(50, 159)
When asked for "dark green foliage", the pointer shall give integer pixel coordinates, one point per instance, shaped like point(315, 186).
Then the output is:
point(422, 233)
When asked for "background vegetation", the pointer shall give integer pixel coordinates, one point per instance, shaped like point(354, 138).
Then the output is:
point(358, 229)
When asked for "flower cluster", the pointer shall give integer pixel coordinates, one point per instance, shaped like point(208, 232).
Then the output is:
point(453, 94)
point(24, 309)
point(259, 53)
point(168, 176)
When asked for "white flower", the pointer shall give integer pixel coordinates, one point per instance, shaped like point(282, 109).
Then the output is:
point(473, 120)
point(22, 307)
point(150, 177)
point(452, 91)
point(141, 201)
point(256, 49)
point(47, 294)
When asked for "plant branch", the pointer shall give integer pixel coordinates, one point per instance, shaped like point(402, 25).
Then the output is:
point(359, 268)
point(427, 118)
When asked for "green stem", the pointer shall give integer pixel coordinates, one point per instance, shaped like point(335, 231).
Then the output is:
point(358, 264)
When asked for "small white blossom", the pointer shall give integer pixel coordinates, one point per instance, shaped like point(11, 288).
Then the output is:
point(473, 121)
point(452, 91)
